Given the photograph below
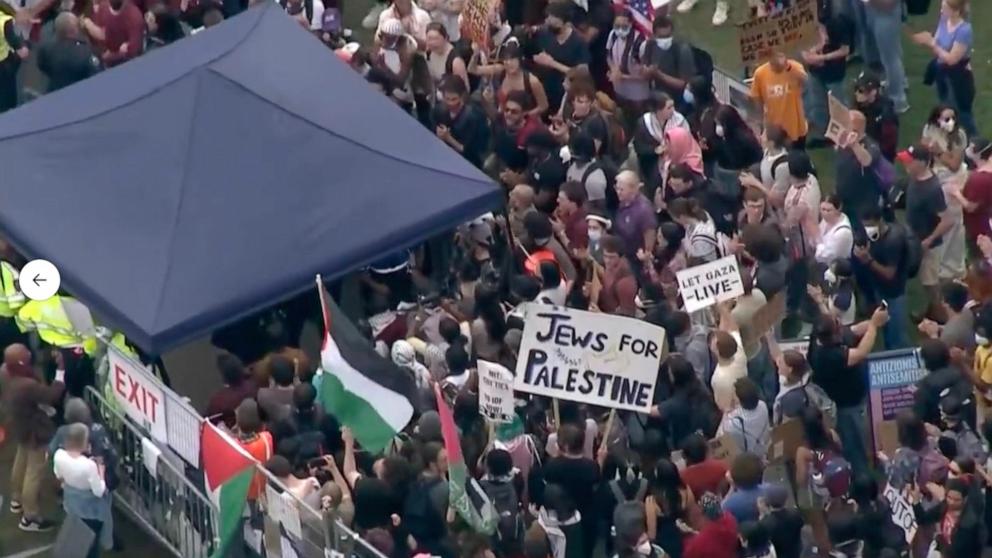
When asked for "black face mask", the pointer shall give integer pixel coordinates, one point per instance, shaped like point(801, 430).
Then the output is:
point(555, 28)
point(116, 4)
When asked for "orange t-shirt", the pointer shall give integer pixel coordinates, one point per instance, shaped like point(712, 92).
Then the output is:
point(781, 94)
point(259, 447)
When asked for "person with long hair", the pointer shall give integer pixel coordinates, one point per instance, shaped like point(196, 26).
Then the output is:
point(669, 501)
point(509, 75)
point(442, 57)
point(736, 149)
point(690, 408)
point(944, 136)
point(489, 326)
point(818, 443)
point(958, 517)
point(164, 27)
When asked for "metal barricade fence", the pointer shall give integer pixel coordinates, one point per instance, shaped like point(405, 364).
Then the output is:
point(302, 526)
point(170, 507)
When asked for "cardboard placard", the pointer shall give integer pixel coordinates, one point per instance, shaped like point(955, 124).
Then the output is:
point(790, 30)
point(902, 512)
point(495, 392)
point(785, 439)
point(840, 121)
point(765, 319)
point(704, 285)
point(597, 359)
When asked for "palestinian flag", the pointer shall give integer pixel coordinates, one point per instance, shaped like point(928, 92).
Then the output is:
point(481, 519)
point(228, 471)
point(367, 393)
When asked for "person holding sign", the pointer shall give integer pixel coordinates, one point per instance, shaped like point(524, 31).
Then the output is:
point(731, 362)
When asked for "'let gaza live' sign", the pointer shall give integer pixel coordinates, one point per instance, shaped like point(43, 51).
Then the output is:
point(705, 285)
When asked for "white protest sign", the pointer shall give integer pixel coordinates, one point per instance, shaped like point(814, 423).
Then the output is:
point(598, 359)
point(138, 392)
point(705, 285)
point(902, 512)
point(495, 392)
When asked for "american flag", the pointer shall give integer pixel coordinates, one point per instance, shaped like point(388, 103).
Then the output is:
point(641, 12)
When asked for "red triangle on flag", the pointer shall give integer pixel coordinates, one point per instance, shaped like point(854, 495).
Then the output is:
point(222, 456)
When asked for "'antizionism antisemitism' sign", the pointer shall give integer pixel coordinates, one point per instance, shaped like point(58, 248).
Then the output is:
point(604, 360)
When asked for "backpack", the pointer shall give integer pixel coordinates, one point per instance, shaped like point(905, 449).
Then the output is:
point(420, 516)
point(795, 401)
point(913, 252)
point(610, 171)
point(831, 474)
point(967, 442)
point(616, 138)
point(510, 528)
point(620, 497)
point(885, 177)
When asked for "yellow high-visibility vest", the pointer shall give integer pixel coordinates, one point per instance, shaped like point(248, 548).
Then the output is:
point(49, 319)
point(11, 297)
point(5, 49)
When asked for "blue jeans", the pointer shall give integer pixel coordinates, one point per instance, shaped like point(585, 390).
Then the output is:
point(946, 94)
point(864, 40)
point(852, 427)
point(886, 27)
point(761, 370)
point(895, 333)
point(816, 103)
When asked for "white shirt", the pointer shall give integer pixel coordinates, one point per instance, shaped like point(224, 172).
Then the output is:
point(701, 241)
point(79, 472)
point(777, 179)
point(724, 376)
point(415, 24)
point(836, 240)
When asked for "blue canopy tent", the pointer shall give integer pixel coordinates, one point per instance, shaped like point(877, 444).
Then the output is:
point(217, 176)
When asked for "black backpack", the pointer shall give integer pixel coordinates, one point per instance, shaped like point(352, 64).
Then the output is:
point(420, 516)
point(913, 252)
point(510, 529)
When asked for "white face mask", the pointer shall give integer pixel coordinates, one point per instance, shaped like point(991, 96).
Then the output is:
point(644, 549)
point(947, 125)
point(622, 32)
point(829, 276)
point(595, 235)
point(872, 233)
point(719, 130)
point(981, 340)
point(664, 44)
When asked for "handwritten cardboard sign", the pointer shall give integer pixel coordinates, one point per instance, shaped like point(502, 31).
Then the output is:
point(840, 121)
point(495, 392)
point(705, 285)
point(592, 358)
point(790, 30)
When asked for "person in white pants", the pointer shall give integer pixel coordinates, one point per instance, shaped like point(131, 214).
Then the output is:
point(719, 15)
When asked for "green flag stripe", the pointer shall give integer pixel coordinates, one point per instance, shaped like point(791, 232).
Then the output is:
point(366, 423)
point(233, 496)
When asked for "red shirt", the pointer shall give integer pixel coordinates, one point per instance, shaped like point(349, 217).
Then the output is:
point(717, 539)
point(978, 189)
point(705, 477)
point(577, 229)
point(125, 26)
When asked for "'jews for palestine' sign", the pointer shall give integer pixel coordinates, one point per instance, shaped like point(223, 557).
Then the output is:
point(599, 359)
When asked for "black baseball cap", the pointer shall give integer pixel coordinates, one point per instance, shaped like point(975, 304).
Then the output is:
point(867, 81)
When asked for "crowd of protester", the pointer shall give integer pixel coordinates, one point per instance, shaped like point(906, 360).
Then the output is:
point(621, 167)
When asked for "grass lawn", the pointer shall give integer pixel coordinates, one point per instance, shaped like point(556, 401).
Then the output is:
point(722, 44)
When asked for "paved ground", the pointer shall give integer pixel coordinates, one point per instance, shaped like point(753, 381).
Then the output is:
point(16, 543)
